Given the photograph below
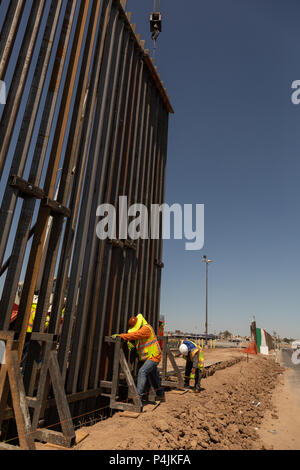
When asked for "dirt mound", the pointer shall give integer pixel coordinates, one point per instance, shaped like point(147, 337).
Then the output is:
point(225, 415)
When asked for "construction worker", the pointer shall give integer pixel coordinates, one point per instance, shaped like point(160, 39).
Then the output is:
point(194, 363)
point(149, 354)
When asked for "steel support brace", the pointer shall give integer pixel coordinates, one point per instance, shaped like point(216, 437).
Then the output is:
point(50, 375)
point(167, 354)
point(11, 382)
point(120, 362)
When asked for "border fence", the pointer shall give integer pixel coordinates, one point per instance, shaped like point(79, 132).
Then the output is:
point(85, 121)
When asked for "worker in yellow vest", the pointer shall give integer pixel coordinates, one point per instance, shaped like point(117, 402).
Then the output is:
point(149, 354)
point(32, 317)
point(194, 363)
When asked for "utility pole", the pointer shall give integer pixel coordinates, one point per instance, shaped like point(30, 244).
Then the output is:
point(207, 261)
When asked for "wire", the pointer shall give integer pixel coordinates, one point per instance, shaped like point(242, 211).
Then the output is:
point(80, 416)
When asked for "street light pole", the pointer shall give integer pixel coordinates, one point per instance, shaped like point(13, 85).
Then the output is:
point(206, 261)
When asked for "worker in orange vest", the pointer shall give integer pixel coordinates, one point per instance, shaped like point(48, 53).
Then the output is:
point(149, 354)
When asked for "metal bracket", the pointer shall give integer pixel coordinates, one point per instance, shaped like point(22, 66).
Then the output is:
point(50, 375)
point(159, 263)
point(27, 189)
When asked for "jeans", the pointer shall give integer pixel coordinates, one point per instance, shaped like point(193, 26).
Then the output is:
point(149, 371)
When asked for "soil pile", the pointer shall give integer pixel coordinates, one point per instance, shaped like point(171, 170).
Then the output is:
point(226, 417)
point(226, 414)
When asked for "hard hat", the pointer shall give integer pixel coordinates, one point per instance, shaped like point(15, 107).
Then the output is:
point(183, 349)
point(132, 321)
point(140, 321)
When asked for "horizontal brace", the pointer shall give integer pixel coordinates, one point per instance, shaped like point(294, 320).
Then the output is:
point(159, 263)
point(109, 339)
point(56, 207)
point(26, 188)
point(45, 337)
point(46, 435)
point(125, 407)
point(32, 402)
point(130, 245)
point(116, 243)
point(105, 384)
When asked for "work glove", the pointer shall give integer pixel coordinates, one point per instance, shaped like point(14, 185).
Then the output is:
point(130, 345)
point(115, 336)
point(192, 376)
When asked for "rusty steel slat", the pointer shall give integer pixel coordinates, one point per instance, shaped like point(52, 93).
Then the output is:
point(55, 231)
point(106, 249)
point(15, 93)
point(9, 32)
point(22, 232)
point(149, 266)
point(72, 149)
point(108, 272)
point(141, 243)
point(126, 274)
point(102, 277)
point(85, 371)
point(119, 257)
point(83, 138)
point(163, 191)
point(105, 132)
point(139, 189)
point(153, 200)
point(92, 175)
point(35, 173)
point(55, 155)
point(21, 153)
point(93, 105)
point(142, 261)
point(157, 200)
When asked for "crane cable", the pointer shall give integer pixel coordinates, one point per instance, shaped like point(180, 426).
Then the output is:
point(154, 5)
point(156, 34)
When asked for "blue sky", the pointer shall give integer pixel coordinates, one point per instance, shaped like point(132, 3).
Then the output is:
point(234, 145)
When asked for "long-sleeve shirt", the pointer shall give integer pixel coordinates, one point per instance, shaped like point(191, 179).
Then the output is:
point(142, 333)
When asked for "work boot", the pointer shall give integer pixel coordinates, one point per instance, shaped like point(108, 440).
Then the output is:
point(197, 389)
point(186, 386)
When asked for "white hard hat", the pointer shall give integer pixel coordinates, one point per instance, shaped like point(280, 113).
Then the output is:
point(184, 349)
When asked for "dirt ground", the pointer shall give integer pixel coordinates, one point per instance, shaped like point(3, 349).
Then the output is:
point(227, 414)
point(280, 429)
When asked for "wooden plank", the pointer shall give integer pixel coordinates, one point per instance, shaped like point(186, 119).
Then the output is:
point(129, 414)
point(81, 434)
point(177, 392)
point(61, 400)
point(19, 402)
point(148, 408)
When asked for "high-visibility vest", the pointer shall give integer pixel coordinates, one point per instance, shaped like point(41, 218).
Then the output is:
point(32, 317)
point(161, 328)
point(148, 347)
point(194, 351)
